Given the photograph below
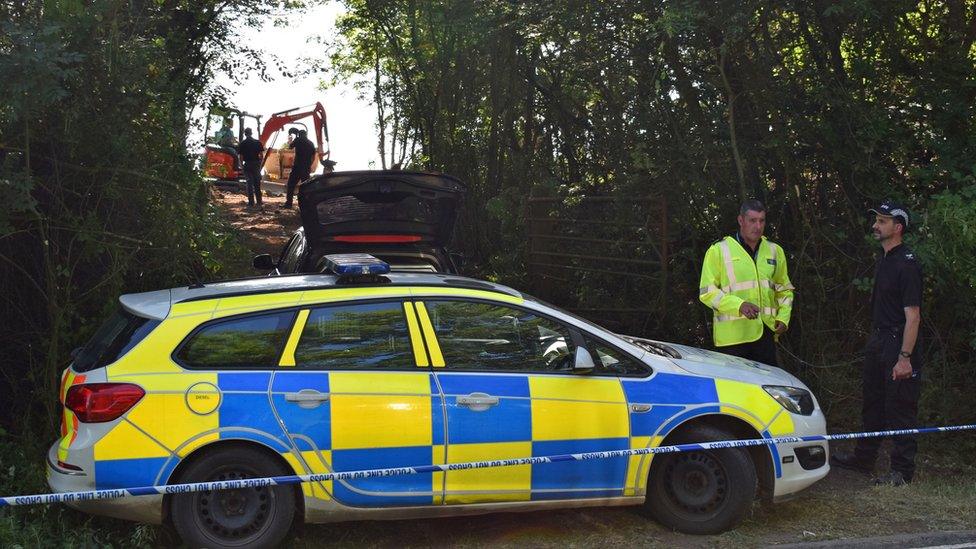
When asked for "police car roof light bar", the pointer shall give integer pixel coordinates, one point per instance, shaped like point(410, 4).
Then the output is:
point(353, 266)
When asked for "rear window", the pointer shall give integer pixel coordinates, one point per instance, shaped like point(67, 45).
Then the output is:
point(247, 342)
point(393, 206)
point(119, 334)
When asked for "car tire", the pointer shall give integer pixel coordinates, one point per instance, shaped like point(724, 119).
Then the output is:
point(702, 492)
point(249, 517)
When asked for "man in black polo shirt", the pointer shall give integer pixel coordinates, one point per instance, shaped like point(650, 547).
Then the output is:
point(302, 168)
point(251, 150)
point(892, 364)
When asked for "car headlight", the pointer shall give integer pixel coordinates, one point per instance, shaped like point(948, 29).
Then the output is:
point(794, 399)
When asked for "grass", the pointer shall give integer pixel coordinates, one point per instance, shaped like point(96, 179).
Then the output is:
point(22, 471)
point(844, 505)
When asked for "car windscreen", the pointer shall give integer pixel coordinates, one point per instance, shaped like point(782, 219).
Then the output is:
point(120, 333)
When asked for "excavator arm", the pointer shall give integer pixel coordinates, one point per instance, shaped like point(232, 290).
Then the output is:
point(278, 120)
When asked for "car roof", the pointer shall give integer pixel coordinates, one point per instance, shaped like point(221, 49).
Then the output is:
point(157, 304)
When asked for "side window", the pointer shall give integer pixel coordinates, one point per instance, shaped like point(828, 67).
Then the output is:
point(249, 342)
point(484, 336)
point(355, 337)
point(609, 360)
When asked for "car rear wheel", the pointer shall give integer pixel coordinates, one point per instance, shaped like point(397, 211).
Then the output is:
point(248, 517)
point(704, 492)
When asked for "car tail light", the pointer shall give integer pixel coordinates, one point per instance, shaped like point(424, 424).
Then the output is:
point(377, 238)
point(101, 402)
point(68, 466)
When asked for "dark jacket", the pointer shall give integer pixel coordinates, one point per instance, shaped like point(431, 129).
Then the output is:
point(251, 150)
point(304, 154)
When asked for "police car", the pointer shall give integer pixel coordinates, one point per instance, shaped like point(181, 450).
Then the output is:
point(319, 373)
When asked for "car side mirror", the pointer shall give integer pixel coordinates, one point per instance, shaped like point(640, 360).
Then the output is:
point(263, 262)
point(584, 362)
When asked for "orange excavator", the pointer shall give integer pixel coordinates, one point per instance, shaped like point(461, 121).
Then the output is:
point(221, 158)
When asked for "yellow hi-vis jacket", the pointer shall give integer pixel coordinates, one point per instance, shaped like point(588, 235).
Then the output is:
point(730, 277)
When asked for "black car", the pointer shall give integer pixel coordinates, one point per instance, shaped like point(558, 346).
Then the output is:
point(404, 218)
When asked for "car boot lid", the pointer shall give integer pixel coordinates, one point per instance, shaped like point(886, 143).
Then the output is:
point(374, 207)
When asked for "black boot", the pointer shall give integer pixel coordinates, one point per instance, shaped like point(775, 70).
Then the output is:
point(850, 461)
point(893, 478)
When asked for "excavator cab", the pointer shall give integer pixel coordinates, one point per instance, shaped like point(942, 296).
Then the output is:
point(220, 156)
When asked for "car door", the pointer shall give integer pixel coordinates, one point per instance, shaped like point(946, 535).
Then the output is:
point(506, 374)
point(294, 253)
point(354, 391)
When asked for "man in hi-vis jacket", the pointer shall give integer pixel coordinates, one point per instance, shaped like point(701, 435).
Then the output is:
point(745, 282)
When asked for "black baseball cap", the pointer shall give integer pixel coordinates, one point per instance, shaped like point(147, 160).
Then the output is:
point(890, 208)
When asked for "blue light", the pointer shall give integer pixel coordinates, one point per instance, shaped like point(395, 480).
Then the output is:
point(356, 264)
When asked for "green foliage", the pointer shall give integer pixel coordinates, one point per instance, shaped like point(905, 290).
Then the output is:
point(54, 525)
point(100, 194)
point(818, 110)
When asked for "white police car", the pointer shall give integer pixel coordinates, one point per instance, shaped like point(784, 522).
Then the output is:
point(321, 373)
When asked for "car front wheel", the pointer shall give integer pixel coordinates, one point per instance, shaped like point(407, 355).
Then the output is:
point(248, 517)
point(702, 492)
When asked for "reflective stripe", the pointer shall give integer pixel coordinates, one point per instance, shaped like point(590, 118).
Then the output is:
point(769, 311)
point(726, 318)
point(288, 355)
point(748, 285)
point(436, 358)
point(786, 302)
point(707, 289)
point(772, 250)
point(718, 299)
point(783, 287)
point(766, 283)
point(727, 257)
point(416, 341)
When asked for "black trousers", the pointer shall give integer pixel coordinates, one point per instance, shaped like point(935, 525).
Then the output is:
point(889, 404)
point(252, 174)
point(762, 350)
point(294, 178)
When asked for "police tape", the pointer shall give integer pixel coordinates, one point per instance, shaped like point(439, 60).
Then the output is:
point(93, 495)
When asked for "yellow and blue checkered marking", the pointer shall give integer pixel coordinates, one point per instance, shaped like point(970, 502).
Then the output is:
point(391, 419)
point(310, 428)
point(508, 421)
point(245, 408)
point(577, 479)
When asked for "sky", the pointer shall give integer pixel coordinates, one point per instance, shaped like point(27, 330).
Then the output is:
point(351, 121)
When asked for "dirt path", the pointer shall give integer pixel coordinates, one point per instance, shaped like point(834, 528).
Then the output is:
point(263, 231)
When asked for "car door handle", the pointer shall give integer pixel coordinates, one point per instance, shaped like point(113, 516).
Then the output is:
point(307, 398)
point(640, 408)
point(477, 402)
